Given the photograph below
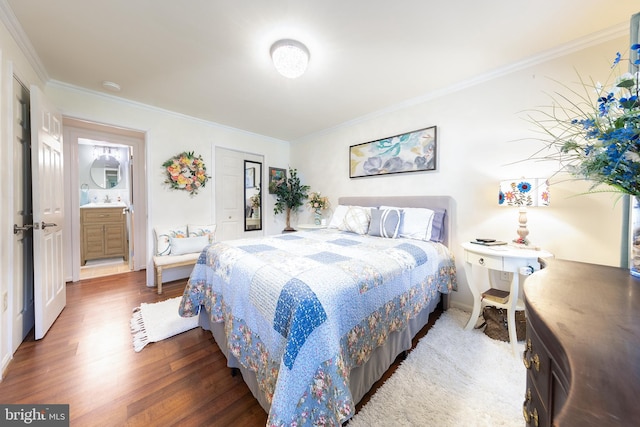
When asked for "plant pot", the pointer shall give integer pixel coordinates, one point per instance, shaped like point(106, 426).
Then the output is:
point(288, 227)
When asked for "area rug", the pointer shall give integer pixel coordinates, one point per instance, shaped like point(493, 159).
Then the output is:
point(158, 321)
point(452, 378)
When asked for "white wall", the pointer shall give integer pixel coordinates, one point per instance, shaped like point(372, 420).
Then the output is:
point(480, 132)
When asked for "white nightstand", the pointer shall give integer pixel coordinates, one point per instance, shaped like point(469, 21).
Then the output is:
point(310, 226)
point(479, 260)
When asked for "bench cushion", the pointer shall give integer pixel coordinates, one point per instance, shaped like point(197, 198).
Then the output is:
point(163, 261)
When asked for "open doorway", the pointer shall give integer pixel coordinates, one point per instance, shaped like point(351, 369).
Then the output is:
point(104, 173)
point(106, 178)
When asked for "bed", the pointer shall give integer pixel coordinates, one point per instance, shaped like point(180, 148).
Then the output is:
point(312, 319)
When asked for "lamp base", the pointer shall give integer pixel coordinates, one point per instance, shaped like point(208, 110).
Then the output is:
point(521, 241)
point(518, 245)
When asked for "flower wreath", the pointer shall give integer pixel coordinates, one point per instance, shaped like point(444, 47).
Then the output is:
point(186, 171)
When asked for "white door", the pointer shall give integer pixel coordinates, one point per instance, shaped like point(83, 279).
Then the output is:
point(22, 248)
point(229, 194)
point(48, 212)
point(230, 202)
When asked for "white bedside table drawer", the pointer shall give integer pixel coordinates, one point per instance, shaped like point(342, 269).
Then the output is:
point(487, 261)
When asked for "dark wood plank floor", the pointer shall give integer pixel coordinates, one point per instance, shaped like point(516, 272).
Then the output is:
point(87, 360)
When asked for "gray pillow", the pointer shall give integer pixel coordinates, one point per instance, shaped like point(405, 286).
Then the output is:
point(437, 231)
point(385, 223)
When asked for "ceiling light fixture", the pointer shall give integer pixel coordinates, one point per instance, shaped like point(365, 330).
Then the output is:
point(111, 86)
point(290, 57)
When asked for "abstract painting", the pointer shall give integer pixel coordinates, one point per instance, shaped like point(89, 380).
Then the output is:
point(408, 152)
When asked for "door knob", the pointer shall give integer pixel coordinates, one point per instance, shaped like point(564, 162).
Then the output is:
point(48, 224)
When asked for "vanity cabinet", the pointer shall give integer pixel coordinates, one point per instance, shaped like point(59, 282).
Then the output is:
point(582, 347)
point(103, 233)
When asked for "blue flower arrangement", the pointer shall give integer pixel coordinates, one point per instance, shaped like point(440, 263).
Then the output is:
point(598, 141)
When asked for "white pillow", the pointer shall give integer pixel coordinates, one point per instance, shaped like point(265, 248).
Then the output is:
point(416, 223)
point(338, 216)
point(203, 230)
point(164, 236)
point(188, 245)
point(356, 220)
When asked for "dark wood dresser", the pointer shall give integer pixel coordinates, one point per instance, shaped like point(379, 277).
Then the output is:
point(583, 346)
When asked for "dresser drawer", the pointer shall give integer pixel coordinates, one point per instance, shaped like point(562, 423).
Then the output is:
point(533, 410)
point(538, 362)
point(99, 216)
point(488, 261)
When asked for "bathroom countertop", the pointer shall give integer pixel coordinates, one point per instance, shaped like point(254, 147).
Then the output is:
point(104, 205)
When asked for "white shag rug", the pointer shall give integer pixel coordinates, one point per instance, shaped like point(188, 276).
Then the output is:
point(452, 378)
point(158, 321)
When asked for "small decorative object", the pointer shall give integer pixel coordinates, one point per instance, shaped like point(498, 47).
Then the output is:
point(186, 171)
point(290, 195)
point(408, 152)
point(522, 193)
point(599, 139)
point(317, 203)
point(276, 176)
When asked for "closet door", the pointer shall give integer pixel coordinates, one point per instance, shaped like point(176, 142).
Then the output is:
point(230, 193)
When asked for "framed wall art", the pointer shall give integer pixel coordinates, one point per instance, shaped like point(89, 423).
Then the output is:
point(413, 151)
point(276, 175)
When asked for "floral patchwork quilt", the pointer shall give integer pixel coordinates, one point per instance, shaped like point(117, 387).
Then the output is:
point(302, 309)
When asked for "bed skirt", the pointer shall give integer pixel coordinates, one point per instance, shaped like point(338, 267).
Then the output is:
point(361, 378)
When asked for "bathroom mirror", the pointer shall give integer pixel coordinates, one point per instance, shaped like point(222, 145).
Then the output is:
point(253, 195)
point(106, 171)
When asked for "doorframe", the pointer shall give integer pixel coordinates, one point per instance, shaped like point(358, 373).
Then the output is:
point(73, 129)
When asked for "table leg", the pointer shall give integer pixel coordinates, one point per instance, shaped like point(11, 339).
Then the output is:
point(473, 281)
point(511, 313)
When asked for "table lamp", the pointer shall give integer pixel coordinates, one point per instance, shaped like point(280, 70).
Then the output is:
point(523, 192)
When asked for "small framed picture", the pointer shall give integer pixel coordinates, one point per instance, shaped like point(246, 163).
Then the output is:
point(276, 176)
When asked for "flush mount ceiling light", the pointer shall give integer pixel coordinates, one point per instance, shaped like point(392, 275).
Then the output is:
point(111, 86)
point(290, 57)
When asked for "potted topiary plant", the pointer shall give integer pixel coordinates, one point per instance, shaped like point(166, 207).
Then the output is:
point(290, 195)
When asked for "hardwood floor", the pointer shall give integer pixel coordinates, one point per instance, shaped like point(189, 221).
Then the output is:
point(87, 360)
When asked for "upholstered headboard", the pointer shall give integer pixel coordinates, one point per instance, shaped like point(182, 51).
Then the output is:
point(431, 202)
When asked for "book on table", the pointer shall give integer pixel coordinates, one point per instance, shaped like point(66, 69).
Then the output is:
point(486, 243)
point(496, 295)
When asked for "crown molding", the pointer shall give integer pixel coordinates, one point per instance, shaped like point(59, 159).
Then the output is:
point(139, 105)
point(8, 18)
point(593, 39)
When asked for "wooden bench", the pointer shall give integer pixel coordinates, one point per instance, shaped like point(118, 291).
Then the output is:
point(179, 246)
point(164, 262)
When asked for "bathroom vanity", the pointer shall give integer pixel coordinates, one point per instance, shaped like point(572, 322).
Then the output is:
point(103, 231)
